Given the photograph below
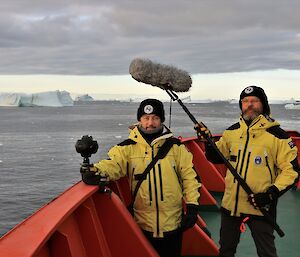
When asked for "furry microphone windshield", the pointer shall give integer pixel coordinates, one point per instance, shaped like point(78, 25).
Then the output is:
point(159, 75)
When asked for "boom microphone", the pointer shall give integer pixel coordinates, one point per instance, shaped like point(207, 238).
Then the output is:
point(159, 75)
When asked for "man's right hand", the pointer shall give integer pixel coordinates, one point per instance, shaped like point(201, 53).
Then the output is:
point(91, 176)
point(202, 131)
point(87, 168)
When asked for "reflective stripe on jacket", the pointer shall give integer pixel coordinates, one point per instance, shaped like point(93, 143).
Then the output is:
point(158, 204)
point(263, 155)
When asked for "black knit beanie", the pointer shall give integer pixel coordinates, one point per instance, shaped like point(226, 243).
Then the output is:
point(258, 92)
point(151, 106)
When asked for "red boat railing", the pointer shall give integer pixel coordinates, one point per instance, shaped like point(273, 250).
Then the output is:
point(79, 223)
point(296, 140)
point(82, 222)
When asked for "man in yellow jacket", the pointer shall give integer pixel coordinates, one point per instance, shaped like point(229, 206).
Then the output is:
point(266, 158)
point(158, 202)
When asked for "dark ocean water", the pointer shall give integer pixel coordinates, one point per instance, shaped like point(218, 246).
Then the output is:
point(37, 155)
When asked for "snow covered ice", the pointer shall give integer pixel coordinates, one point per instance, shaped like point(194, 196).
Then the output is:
point(84, 98)
point(51, 98)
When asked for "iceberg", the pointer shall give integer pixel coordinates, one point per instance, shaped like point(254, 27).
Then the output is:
point(10, 99)
point(84, 98)
point(294, 105)
point(52, 99)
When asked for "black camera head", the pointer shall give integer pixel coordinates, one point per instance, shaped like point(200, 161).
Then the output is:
point(86, 146)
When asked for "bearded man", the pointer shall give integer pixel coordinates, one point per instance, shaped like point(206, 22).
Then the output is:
point(266, 158)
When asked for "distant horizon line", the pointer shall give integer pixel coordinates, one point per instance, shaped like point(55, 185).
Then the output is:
point(136, 97)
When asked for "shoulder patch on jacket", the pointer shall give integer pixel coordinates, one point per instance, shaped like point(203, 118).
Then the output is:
point(278, 132)
point(234, 126)
point(291, 144)
point(175, 141)
point(127, 142)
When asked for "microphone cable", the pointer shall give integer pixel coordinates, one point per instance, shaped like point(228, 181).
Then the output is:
point(170, 113)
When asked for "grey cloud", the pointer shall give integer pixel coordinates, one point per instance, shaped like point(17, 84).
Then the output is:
point(102, 37)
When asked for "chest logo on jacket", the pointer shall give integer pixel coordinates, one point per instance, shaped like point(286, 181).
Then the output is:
point(257, 160)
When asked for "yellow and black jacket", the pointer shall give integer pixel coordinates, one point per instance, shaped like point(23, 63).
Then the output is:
point(158, 203)
point(263, 155)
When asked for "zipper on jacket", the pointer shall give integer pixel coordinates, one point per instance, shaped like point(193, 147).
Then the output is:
point(247, 165)
point(149, 188)
point(131, 179)
point(238, 162)
point(178, 177)
point(268, 166)
point(241, 168)
point(160, 182)
point(156, 196)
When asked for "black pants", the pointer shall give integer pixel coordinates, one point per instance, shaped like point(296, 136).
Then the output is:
point(169, 245)
point(261, 231)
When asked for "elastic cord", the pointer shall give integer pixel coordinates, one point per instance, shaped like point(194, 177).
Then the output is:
point(243, 225)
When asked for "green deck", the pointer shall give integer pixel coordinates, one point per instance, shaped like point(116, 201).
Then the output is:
point(288, 220)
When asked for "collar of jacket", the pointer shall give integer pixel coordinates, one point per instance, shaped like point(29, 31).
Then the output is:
point(136, 136)
point(260, 123)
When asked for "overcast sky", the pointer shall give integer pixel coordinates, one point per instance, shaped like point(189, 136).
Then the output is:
point(94, 41)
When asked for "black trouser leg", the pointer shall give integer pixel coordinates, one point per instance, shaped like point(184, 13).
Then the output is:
point(169, 245)
point(261, 231)
point(229, 235)
point(263, 235)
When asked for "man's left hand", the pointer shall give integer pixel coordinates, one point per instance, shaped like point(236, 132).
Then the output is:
point(261, 200)
point(190, 218)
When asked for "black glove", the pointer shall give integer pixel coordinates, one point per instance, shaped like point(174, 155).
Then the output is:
point(261, 200)
point(85, 167)
point(190, 218)
point(202, 131)
point(90, 174)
